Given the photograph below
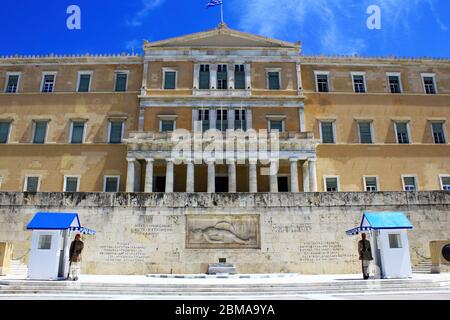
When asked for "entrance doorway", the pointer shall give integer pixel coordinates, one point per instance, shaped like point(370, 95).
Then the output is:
point(221, 184)
point(160, 184)
point(283, 184)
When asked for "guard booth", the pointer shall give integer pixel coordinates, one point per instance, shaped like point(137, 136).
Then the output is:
point(50, 244)
point(389, 241)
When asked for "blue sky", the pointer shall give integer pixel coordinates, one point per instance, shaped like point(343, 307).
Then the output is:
point(409, 27)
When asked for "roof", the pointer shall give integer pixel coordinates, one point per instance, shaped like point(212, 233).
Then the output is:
point(380, 221)
point(57, 221)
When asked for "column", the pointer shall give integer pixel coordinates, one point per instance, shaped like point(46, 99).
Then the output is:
point(130, 174)
point(144, 79)
point(190, 177)
point(301, 115)
point(231, 118)
point(211, 176)
point(231, 176)
point(149, 175)
point(212, 118)
point(305, 176)
point(230, 79)
point(196, 76)
point(299, 79)
point(273, 177)
point(213, 76)
point(248, 76)
point(248, 118)
point(312, 175)
point(169, 175)
point(294, 175)
point(252, 176)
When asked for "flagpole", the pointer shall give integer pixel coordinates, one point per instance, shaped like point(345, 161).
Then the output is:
point(221, 11)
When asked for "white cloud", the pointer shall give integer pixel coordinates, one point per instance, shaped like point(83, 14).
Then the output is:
point(148, 5)
point(336, 26)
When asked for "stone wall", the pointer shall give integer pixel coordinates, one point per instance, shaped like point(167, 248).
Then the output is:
point(177, 233)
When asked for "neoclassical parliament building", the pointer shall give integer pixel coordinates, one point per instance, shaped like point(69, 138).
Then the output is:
point(105, 123)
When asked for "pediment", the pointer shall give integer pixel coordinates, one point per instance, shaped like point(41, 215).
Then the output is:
point(221, 37)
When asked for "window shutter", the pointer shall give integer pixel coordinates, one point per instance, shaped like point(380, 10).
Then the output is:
point(167, 125)
point(239, 77)
point(274, 81)
point(116, 132)
point(85, 80)
point(71, 184)
point(331, 184)
point(111, 184)
point(4, 131)
point(410, 181)
point(77, 132)
point(170, 77)
point(365, 132)
point(32, 184)
point(40, 132)
point(12, 84)
point(121, 82)
point(327, 132)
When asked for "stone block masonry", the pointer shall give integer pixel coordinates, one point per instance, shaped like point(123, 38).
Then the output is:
point(141, 233)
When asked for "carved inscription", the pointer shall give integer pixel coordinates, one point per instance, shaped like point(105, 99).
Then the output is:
point(149, 226)
point(222, 232)
point(123, 252)
point(292, 228)
point(324, 251)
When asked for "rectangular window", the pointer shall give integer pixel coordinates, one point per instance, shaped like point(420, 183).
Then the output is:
point(359, 83)
point(394, 84)
point(402, 132)
point(274, 80)
point(331, 184)
point(204, 77)
point(239, 77)
point(240, 120)
point(395, 241)
point(276, 125)
point(71, 184)
point(203, 116)
point(409, 183)
point(121, 81)
point(31, 184)
point(84, 82)
point(222, 119)
point(48, 83)
point(371, 184)
point(4, 131)
point(429, 84)
point(40, 132)
point(322, 83)
point(170, 78)
point(77, 132)
point(12, 83)
point(438, 132)
point(365, 132)
point(327, 131)
point(167, 125)
point(115, 131)
point(45, 242)
point(112, 183)
point(445, 182)
point(222, 77)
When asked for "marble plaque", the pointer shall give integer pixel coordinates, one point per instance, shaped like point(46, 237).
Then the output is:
point(223, 231)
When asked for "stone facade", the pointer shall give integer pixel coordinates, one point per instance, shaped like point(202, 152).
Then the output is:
point(141, 233)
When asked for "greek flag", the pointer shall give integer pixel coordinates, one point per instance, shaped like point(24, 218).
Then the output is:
point(213, 3)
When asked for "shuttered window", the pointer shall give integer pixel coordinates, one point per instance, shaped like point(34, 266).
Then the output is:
point(410, 183)
point(116, 132)
point(84, 83)
point(365, 132)
point(322, 83)
point(274, 80)
point(4, 131)
point(40, 131)
point(327, 132)
point(438, 132)
point(402, 132)
point(13, 82)
point(276, 125)
point(371, 184)
point(203, 116)
point(71, 184)
point(222, 77)
point(77, 132)
point(167, 125)
point(170, 80)
point(49, 83)
point(204, 77)
point(111, 184)
point(358, 83)
point(239, 77)
point(121, 82)
point(239, 119)
point(445, 183)
point(331, 184)
point(32, 184)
